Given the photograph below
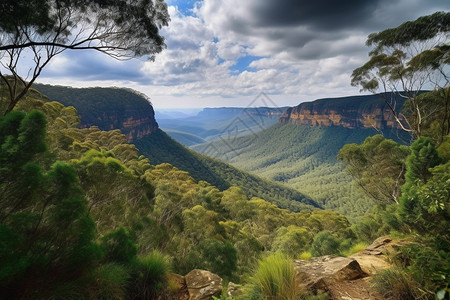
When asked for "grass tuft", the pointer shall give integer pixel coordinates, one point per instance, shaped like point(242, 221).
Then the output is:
point(355, 249)
point(274, 279)
point(396, 284)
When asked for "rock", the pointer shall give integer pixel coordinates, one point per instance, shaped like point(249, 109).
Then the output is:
point(318, 272)
point(375, 257)
point(377, 245)
point(177, 289)
point(234, 290)
point(358, 289)
point(350, 112)
point(341, 277)
point(202, 285)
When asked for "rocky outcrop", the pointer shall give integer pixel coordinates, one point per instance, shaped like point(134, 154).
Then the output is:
point(133, 123)
point(107, 108)
point(350, 112)
point(343, 278)
point(202, 285)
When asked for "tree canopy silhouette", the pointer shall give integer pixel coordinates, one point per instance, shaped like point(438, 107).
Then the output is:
point(38, 30)
point(406, 60)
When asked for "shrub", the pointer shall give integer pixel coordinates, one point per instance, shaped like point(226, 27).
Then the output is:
point(119, 247)
point(109, 282)
point(305, 255)
point(148, 276)
point(273, 279)
point(355, 249)
point(325, 243)
point(395, 284)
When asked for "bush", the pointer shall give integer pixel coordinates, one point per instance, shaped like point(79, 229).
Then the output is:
point(119, 247)
point(396, 284)
point(148, 276)
point(305, 255)
point(212, 255)
point(109, 282)
point(355, 249)
point(273, 279)
point(325, 243)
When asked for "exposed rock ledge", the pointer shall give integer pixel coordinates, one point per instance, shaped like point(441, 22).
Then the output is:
point(344, 278)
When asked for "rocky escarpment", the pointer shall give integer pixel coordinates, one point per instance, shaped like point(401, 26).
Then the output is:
point(107, 108)
point(133, 122)
point(351, 112)
point(342, 278)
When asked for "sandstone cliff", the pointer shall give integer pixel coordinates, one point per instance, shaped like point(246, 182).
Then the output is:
point(351, 112)
point(107, 108)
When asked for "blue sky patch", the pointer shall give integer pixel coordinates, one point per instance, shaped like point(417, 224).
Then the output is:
point(243, 63)
point(184, 6)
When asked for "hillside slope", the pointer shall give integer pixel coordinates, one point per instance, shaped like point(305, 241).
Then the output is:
point(301, 150)
point(114, 108)
point(160, 148)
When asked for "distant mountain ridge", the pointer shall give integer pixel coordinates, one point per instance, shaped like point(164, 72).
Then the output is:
point(220, 122)
point(366, 111)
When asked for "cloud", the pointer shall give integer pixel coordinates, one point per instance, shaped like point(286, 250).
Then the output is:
point(295, 49)
point(88, 65)
point(306, 29)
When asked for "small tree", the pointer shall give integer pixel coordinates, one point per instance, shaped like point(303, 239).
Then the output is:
point(405, 60)
point(42, 29)
point(378, 165)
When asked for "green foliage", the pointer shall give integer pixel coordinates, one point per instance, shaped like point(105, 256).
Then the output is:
point(421, 207)
point(219, 173)
point(371, 226)
point(273, 279)
point(434, 105)
point(215, 256)
point(118, 247)
point(304, 158)
point(148, 276)
point(396, 284)
point(355, 249)
point(325, 243)
point(49, 230)
point(427, 262)
point(292, 240)
point(404, 60)
point(422, 29)
point(378, 165)
point(108, 281)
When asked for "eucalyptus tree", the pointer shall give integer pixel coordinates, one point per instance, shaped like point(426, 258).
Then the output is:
point(407, 60)
point(33, 32)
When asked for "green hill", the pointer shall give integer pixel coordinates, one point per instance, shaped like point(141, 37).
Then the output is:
point(132, 113)
point(160, 148)
point(302, 157)
point(185, 138)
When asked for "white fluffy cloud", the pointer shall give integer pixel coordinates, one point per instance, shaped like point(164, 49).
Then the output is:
point(226, 50)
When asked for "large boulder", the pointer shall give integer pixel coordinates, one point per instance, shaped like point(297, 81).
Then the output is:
point(341, 277)
point(375, 257)
point(202, 285)
point(319, 272)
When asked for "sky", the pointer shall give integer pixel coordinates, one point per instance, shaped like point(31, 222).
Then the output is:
point(229, 52)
